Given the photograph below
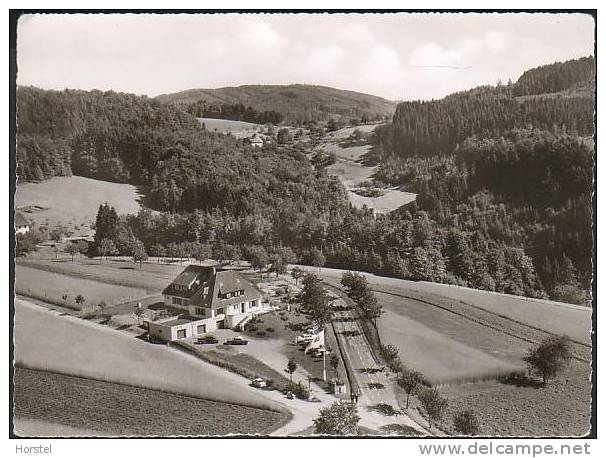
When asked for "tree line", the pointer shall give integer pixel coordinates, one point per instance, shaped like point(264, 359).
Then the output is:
point(233, 111)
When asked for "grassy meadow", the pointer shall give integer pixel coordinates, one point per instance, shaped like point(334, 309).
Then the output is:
point(51, 287)
point(46, 340)
point(239, 129)
point(352, 173)
point(558, 318)
point(73, 201)
point(122, 410)
point(150, 277)
point(562, 408)
point(440, 357)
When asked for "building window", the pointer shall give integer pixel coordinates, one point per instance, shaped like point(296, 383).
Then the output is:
point(202, 329)
point(181, 334)
point(243, 307)
point(253, 303)
point(200, 311)
point(220, 311)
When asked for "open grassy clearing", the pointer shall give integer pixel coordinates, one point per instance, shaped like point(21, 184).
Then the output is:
point(51, 287)
point(151, 278)
point(123, 410)
point(439, 357)
point(407, 312)
point(73, 201)
point(559, 318)
point(493, 323)
point(238, 128)
point(46, 340)
point(562, 408)
point(573, 321)
point(352, 174)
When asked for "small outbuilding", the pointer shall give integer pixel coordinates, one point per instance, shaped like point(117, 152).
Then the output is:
point(22, 225)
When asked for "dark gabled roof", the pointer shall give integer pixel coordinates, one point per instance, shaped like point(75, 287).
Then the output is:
point(227, 281)
point(213, 283)
point(21, 220)
point(189, 275)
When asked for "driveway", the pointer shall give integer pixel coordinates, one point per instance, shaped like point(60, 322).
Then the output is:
point(375, 384)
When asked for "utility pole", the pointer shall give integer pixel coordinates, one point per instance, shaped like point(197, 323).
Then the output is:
point(324, 365)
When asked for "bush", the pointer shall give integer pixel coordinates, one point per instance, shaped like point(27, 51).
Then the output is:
point(299, 390)
point(284, 318)
point(270, 383)
point(270, 329)
point(466, 423)
point(261, 333)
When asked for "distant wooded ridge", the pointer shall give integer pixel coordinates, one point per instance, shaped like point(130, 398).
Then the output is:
point(296, 103)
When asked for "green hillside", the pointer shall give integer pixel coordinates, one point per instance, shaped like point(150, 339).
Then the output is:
point(507, 165)
point(297, 103)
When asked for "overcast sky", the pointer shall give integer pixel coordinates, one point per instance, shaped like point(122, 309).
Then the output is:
point(402, 56)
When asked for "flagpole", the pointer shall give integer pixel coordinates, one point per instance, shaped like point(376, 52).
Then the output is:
point(324, 362)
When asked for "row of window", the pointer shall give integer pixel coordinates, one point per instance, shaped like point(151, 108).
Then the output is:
point(179, 301)
point(232, 294)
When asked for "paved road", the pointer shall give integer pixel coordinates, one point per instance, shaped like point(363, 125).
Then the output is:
point(376, 386)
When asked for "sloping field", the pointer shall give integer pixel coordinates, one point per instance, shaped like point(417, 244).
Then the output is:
point(238, 128)
point(454, 327)
point(556, 317)
point(151, 277)
point(123, 410)
point(439, 357)
point(51, 287)
point(352, 174)
point(46, 340)
point(549, 316)
point(562, 408)
point(73, 200)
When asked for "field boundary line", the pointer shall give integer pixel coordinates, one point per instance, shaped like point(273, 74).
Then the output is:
point(484, 323)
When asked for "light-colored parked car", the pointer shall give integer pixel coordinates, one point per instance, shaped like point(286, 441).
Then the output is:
point(259, 383)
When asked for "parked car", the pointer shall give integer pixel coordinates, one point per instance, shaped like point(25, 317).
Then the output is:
point(259, 383)
point(207, 340)
point(306, 337)
point(317, 352)
point(237, 341)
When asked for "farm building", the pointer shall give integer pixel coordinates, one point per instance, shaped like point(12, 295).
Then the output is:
point(210, 299)
point(255, 141)
point(22, 225)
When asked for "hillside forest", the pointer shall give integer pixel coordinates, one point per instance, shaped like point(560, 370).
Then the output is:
point(503, 175)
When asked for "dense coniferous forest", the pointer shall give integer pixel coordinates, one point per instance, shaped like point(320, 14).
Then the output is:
point(508, 165)
point(503, 183)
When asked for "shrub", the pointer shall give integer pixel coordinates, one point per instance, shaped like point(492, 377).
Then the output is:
point(261, 333)
point(299, 390)
point(270, 329)
point(284, 318)
point(466, 423)
point(339, 419)
point(387, 410)
point(270, 383)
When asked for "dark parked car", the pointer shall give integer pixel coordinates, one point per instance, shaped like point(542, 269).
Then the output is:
point(207, 340)
point(237, 341)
